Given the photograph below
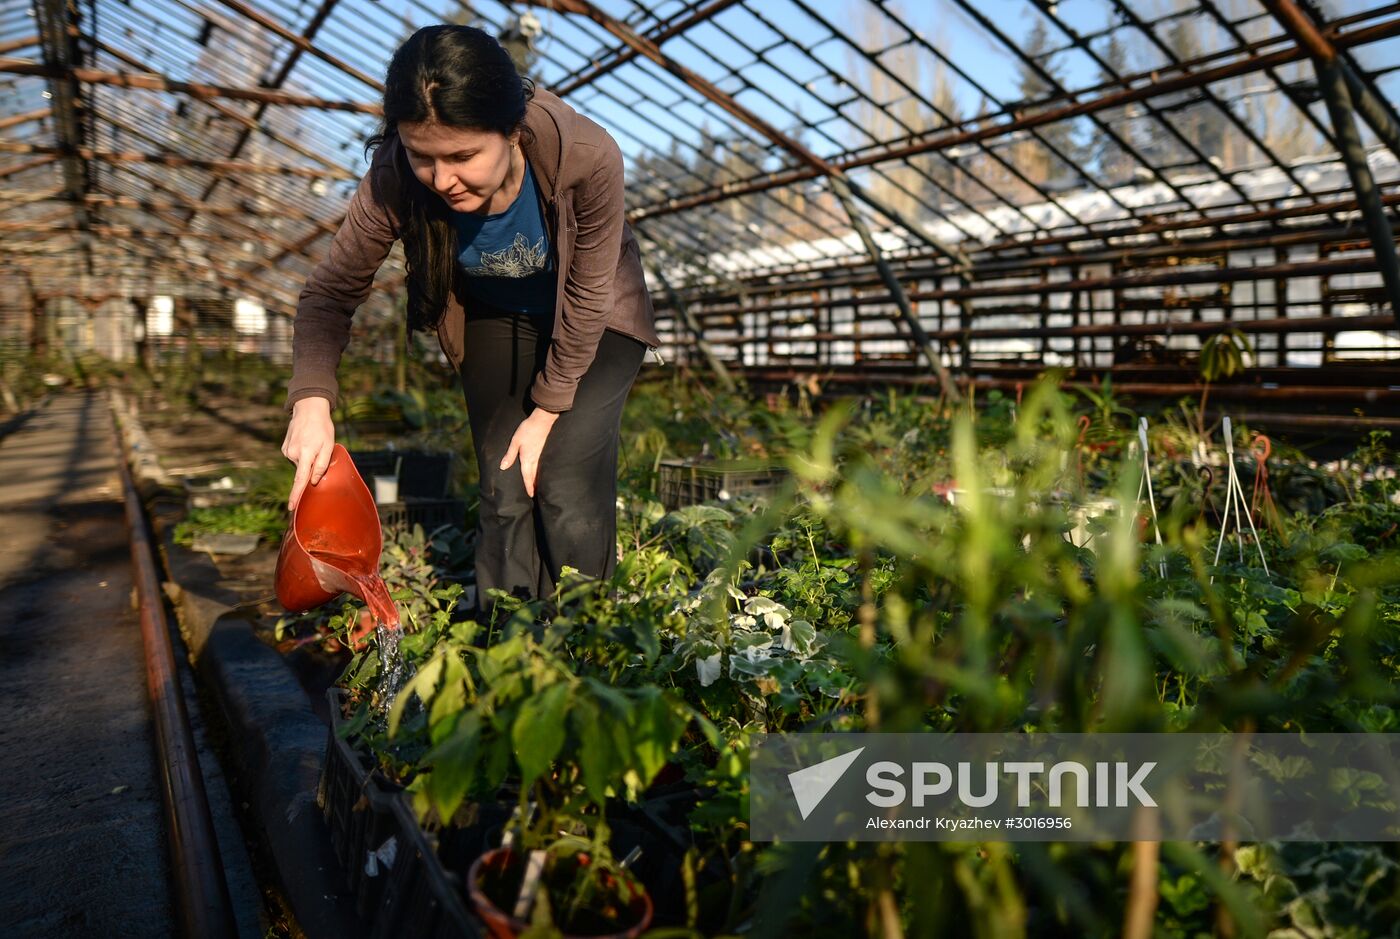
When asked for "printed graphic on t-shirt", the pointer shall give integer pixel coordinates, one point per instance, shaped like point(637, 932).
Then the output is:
point(519, 259)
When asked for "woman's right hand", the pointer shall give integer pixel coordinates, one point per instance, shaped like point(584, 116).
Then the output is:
point(310, 438)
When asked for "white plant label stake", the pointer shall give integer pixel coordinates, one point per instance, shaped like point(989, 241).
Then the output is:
point(508, 839)
point(529, 884)
point(1146, 483)
point(1234, 496)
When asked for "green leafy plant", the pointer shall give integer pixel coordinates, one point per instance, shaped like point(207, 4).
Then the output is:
point(241, 518)
point(862, 600)
point(1223, 355)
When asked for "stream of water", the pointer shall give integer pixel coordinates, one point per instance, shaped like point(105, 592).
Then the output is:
point(370, 587)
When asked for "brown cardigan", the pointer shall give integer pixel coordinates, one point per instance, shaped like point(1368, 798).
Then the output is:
point(578, 168)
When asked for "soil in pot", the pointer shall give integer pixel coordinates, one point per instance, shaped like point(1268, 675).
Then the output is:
point(494, 881)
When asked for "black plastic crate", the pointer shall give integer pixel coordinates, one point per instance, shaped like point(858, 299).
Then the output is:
point(405, 890)
point(422, 898)
point(366, 832)
point(343, 781)
point(691, 482)
point(430, 513)
point(420, 475)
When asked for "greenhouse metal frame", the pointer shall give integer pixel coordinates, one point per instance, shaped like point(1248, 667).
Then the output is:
point(821, 191)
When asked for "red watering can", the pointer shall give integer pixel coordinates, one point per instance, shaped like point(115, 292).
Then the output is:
point(332, 545)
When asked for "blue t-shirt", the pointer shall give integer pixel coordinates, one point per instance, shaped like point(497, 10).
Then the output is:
point(506, 255)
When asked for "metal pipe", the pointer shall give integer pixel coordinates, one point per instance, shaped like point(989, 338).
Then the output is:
point(301, 42)
point(21, 42)
point(623, 56)
point(14, 120)
point(201, 90)
point(858, 274)
point(1334, 91)
point(1367, 395)
point(1319, 324)
point(206, 910)
point(1162, 278)
point(896, 289)
point(708, 90)
point(18, 168)
point(1374, 110)
point(721, 372)
point(170, 159)
point(1357, 374)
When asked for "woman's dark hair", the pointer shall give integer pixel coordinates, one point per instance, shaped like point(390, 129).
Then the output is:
point(457, 76)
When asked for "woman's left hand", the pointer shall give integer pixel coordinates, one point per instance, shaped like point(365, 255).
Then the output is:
point(528, 443)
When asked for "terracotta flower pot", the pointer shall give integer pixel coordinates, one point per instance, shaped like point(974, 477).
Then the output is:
point(501, 925)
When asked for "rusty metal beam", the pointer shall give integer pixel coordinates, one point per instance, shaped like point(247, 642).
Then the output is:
point(691, 323)
point(62, 53)
point(1243, 392)
point(906, 311)
point(22, 42)
point(818, 166)
point(318, 19)
point(1379, 113)
point(148, 81)
point(14, 120)
point(170, 159)
point(152, 205)
point(249, 124)
point(1279, 324)
point(301, 42)
point(26, 165)
point(621, 57)
point(1339, 106)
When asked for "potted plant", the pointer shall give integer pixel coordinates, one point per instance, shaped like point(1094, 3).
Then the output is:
point(523, 715)
point(573, 885)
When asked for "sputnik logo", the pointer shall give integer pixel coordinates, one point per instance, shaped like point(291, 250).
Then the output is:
point(810, 785)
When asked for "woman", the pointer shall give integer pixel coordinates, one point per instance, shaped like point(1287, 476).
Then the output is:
point(510, 207)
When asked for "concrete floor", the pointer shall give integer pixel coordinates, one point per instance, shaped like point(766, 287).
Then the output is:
point(82, 844)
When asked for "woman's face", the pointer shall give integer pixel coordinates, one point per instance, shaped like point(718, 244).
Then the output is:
point(465, 167)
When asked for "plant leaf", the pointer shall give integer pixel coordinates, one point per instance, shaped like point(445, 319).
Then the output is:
point(538, 731)
point(454, 765)
point(423, 684)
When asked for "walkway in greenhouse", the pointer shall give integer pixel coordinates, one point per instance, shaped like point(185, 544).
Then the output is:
point(84, 850)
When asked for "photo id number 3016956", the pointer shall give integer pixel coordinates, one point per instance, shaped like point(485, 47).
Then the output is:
point(968, 824)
